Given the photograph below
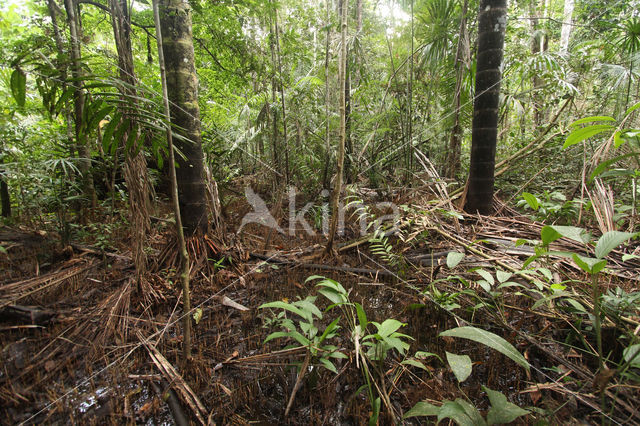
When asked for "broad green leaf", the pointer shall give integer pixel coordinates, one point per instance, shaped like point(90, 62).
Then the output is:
point(550, 233)
point(605, 164)
point(362, 316)
point(455, 411)
point(108, 133)
point(283, 305)
point(64, 97)
point(486, 275)
point(485, 285)
point(610, 240)
point(388, 326)
point(581, 134)
point(292, 334)
point(589, 264)
point(328, 365)
point(472, 412)
point(308, 306)
point(422, 408)
point(592, 119)
point(503, 276)
point(424, 355)
point(460, 365)
point(531, 200)
point(396, 343)
point(632, 108)
point(453, 259)
point(332, 295)
point(330, 329)
point(19, 86)
point(631, 354)
point(626, 257)
point(414, 362)
point(502, 411)
point(487, 338)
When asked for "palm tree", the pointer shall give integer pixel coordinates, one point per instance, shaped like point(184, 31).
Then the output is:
point(182, 87)
point(492, 23)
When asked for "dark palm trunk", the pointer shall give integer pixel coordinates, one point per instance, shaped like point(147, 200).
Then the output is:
point(182, 87)
point(492, 23)
point(4, 197)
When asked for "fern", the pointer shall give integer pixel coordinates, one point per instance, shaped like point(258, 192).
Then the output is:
point(381, 247)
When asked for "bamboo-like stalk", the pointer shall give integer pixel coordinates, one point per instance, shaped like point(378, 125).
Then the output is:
point(335, 198)
point(182, 246)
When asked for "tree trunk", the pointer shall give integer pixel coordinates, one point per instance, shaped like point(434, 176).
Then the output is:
point(135, 167)
point(5, 200)
point(79, 103)
point(492, 23)
point(274, 111)
point(327, 129)
point(182, 247)
point(284, 110)
point(565, 33)
point(453, 162)
point(537, 45)
point(182, 88)
point(335, 198)
point(347, 120)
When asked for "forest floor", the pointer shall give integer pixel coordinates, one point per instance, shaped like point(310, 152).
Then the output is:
point(82, 343)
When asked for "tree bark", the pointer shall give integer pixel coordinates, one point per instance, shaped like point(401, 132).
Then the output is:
point(182, 88)
point(182, 247)
point(5, 200)
point(492, 23)
point(335, 198)
point(327, 129)
point(537, 47)
point(135, 167)
point(282, 101)
point(82, 142)
point(565, 33)
point(453, 161)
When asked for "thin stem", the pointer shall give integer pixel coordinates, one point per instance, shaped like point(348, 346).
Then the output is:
point(596, 318)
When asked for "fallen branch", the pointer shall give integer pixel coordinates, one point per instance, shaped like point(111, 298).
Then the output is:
point(172, 376)
point(360, 271)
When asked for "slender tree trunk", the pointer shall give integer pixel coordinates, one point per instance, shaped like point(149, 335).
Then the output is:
point(335, 198)
point(327, 136)
point(5, 200)
point(565, 33)
point(182, 88)
point(492, 23)
point(82, 142)
point(348, 144)
point(274, 89)
point(409, 143)
point(284, 110)
point(453, 162)
point(61, 64)
point(182, 247)
point(135, 167)
point(537, 44)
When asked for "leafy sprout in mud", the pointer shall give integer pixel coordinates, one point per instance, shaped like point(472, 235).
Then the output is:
point(464, 413)
point(309, 335)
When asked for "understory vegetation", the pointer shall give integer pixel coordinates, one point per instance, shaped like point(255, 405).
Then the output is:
point(319, 212)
